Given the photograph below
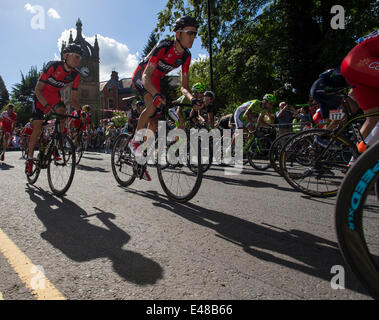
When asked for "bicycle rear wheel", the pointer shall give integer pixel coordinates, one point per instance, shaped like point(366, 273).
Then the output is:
point(178, 181)
point(307, 171)
point(122, 161)
point(79, 149)
point(357, 219)
point(61, 168)
point(258, 154)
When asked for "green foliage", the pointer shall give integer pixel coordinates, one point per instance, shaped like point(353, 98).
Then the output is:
point(261, 45)
point(4, 95)
point(22, 94)
point(119, 119)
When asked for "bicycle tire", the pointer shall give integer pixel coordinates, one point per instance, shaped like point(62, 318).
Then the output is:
point(178, 169)
point(323, 178)
point(121, 155)
point(351, 228)
point(206, 166)
point(254, 155)
point(65, 149)
point(276, 149)
point(79, 150)
point(32, 179)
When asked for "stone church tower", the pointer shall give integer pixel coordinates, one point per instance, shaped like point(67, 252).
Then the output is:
point(90, 73)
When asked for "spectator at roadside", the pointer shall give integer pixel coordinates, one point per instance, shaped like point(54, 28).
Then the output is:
point(284, 118)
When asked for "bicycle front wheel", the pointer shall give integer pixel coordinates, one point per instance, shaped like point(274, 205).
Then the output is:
point(61, 168)
point(357, 219)
point(276, 149)
point(178, 181)
point(314, 163)
point(122, 161)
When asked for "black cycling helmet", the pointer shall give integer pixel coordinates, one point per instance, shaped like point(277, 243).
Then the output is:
point(73, 48)
point(186, 21)
point(209, 94)
point(140, 103)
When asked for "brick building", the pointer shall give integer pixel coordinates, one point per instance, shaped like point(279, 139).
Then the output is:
point(114, 90)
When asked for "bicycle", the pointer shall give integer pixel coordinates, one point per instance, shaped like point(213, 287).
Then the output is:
point(276, 149)
point(356, 219)
point(80, 141)
point(57, 155)
point(180, 184)
point(314, 162)
point(258, 148)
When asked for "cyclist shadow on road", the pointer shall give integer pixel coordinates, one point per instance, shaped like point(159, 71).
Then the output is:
point(88, 168)
point(68, 229)
point(4, 166)
point(248, 183)
point(314, 255)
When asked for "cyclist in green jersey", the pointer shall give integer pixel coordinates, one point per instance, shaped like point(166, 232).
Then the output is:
point(250, 112)
point(182, 114)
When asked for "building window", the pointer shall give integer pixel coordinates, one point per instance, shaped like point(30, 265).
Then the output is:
point(110, 103)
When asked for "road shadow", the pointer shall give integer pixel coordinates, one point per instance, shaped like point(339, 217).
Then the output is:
point(4, 166)
point(306, 252)
point(92, 158)
point(69, 230)
point(91, 169)
point(248, 183)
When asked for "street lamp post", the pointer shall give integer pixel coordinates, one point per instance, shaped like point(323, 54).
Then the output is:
point(210, 45)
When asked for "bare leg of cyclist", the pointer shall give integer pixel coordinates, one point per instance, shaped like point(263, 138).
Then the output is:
point(370, 123)
point(37, 130)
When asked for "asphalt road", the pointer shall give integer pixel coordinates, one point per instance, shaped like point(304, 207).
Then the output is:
point(245, 237)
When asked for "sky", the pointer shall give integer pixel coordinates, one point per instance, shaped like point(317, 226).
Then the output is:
point(32, 32)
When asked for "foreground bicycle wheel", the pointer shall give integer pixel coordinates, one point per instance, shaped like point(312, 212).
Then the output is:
point(178, 181)
point(357, 219)
point(122, 161)
point(32, 178)
point(310, 167)
point(61, 169)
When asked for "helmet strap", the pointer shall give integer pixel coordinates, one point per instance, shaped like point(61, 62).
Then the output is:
point(66, 64)
point(180, 44)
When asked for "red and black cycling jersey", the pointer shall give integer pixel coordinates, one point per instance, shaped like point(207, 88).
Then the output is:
point(55, 77)
point(165, 57)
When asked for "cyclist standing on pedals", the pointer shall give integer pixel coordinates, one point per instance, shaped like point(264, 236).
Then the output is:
point(361, 69)
point(55, 76)
point(166, 56)
point(9, 119)
point(244, 116)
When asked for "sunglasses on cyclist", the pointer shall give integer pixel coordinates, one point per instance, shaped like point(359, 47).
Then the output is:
point(189, 32)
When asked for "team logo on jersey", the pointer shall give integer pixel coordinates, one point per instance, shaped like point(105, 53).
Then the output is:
point(363, 62)
point(374, 65)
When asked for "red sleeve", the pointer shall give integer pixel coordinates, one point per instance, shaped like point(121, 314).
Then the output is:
point(186, 65)
point(75, 84)
point(155, 57)
point(46, 74)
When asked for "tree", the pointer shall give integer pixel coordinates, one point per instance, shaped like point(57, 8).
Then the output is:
point(23, 94)
point(4, 95)
point(261, 45)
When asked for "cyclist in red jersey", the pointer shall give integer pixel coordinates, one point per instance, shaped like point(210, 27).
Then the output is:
point(361, 69)
point(9, 119)
point(55, 76)
point(166, 56)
